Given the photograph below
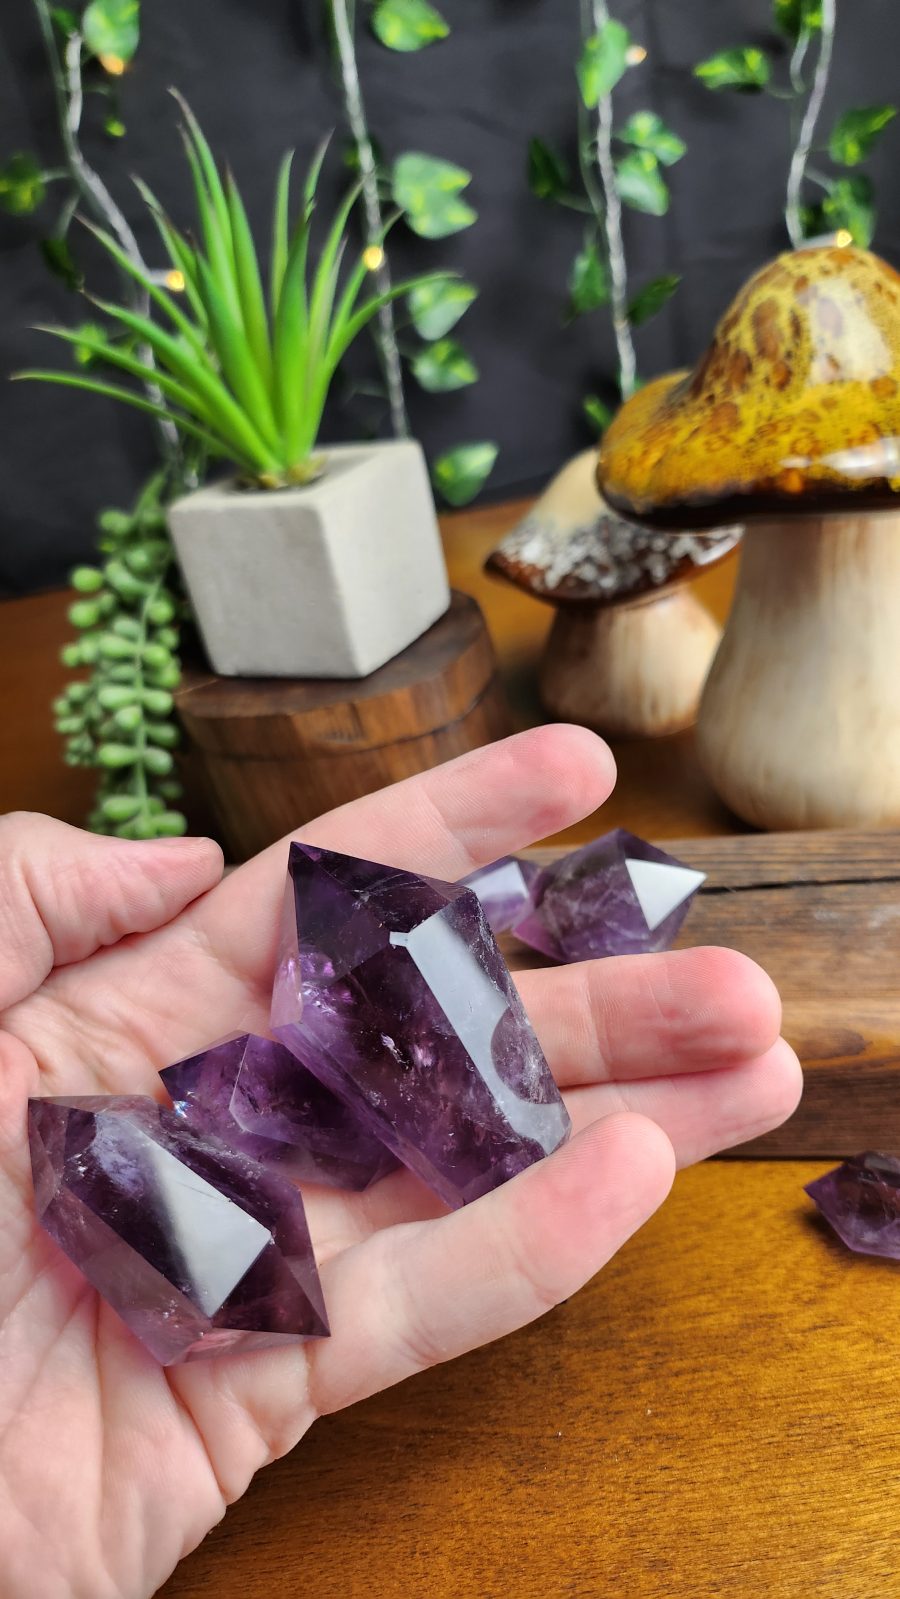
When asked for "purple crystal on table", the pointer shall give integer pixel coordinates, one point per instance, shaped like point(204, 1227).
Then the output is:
point(256, 1096)
point(392, 990)
point(199, 1249)
point(615, 896)
point(503, 889)
point(861, 1201)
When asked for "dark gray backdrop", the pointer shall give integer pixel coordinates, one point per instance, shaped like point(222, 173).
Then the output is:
point(258, 74)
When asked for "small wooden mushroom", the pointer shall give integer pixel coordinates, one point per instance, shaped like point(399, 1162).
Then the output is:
point(630, 645)
point(791, 422)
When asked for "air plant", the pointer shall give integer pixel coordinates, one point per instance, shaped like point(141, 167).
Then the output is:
point(245, 376)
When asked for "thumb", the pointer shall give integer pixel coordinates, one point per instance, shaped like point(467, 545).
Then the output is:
point(65, 893)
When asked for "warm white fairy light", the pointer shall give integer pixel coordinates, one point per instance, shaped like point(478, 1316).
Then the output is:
point(114, 65)
point(634, 55)
point(373, 257)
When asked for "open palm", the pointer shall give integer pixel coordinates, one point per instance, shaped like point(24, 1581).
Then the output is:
point(118, 958)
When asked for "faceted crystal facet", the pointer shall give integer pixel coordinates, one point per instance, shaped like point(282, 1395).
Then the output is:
point(861, 1201)
point(256, 1096)
point(392, 990)
point(503, 888)
point(196, 1247)
point(616, 896)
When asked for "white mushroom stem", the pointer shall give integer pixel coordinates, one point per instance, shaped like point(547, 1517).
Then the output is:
point(630, 670)
point(800, 720)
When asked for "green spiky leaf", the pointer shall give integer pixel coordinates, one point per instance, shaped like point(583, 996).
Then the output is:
point(22, 186)
point(112, 28)
point(436, 307)
point(597, 412)
point(854, 134)
point(641, 184)
point(407, 25)
point(602, 62)
point(461, 473)
point(429, 193)
point(651, 298)
point(647, 131)
point(745, 67)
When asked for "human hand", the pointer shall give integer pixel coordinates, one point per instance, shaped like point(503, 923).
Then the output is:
point(117, 958)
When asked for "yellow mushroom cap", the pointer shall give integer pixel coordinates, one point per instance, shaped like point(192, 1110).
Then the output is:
point(796, 403)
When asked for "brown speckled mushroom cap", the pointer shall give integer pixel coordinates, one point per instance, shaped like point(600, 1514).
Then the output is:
point(571, 549)
point(796, 403)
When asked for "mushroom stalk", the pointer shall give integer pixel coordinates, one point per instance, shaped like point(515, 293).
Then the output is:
point(632, 671)
point(800, 719)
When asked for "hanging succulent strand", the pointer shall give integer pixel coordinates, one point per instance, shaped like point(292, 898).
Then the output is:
point(68, 87)
point(596, 17)
point(800, 156)
point(343, 16)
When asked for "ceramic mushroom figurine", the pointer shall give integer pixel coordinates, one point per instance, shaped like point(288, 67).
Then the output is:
point(791, 419)
point(630, 644)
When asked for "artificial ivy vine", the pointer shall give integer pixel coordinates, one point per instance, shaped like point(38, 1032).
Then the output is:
point(430, 195)
point(844, 202)
point(617, 166)
point(119, 718)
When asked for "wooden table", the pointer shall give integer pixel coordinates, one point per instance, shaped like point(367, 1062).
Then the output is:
point(715, 1414)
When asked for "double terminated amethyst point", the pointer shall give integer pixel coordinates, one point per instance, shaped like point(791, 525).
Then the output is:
point(391, 989)
point(615, 896)
point(861, 1201)
point(197, 1248)
point(256, 1095)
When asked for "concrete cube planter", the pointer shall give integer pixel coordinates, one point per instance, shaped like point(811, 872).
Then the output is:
point(328, 580)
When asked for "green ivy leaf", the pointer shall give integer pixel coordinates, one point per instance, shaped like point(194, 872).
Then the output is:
point(588, 281)
point(83, 354)
point(794, 17)
point(444, 366)
point(641, 183)
point(58, 256)
point(602, 62)
point(648, 132)
point(849, 204)
point(114, 127)
point(548, 174)
point(407, 25)
point(436, 307)
point(65, 20)
point(112, 28)
point(854, 134)
point(597, 412)
point(22, 185)
point(651, 298)
point(428, 192)
point(459, 474)
point(745, 68)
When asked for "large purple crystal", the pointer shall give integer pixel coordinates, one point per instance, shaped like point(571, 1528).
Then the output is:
point(615, 896)
point(503, 888)
point(391, 989)
point(256, 1096)
point(861, 1201)
point(196, 1247)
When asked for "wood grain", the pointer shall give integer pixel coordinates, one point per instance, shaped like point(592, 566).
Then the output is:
point(716, 1414)
point(278, 752)
point(821, 913)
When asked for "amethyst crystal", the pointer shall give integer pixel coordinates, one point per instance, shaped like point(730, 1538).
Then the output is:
point(861, 1201)
point(196, 1247)
point(391, 989)
point(256, 1096)
point(503, 888)
point(616, 896)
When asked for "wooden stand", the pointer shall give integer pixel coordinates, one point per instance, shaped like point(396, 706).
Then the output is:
point(275, 752)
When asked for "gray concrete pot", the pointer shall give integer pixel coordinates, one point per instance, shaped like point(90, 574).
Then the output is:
point(328, 580)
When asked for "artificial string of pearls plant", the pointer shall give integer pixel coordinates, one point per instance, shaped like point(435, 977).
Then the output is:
point(429, 194)
point(127, 611)
point(845, 204)
point(617, 166)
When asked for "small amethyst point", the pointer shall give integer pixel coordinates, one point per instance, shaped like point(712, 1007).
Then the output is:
point(615, 896)
point(256, 1096)
point(198, 1249)
point(392, 990)
point(861, 1201)
point(503, 888)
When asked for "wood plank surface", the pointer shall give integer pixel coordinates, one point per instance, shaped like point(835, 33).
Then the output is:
point(716, 1414)
point(821, 913)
